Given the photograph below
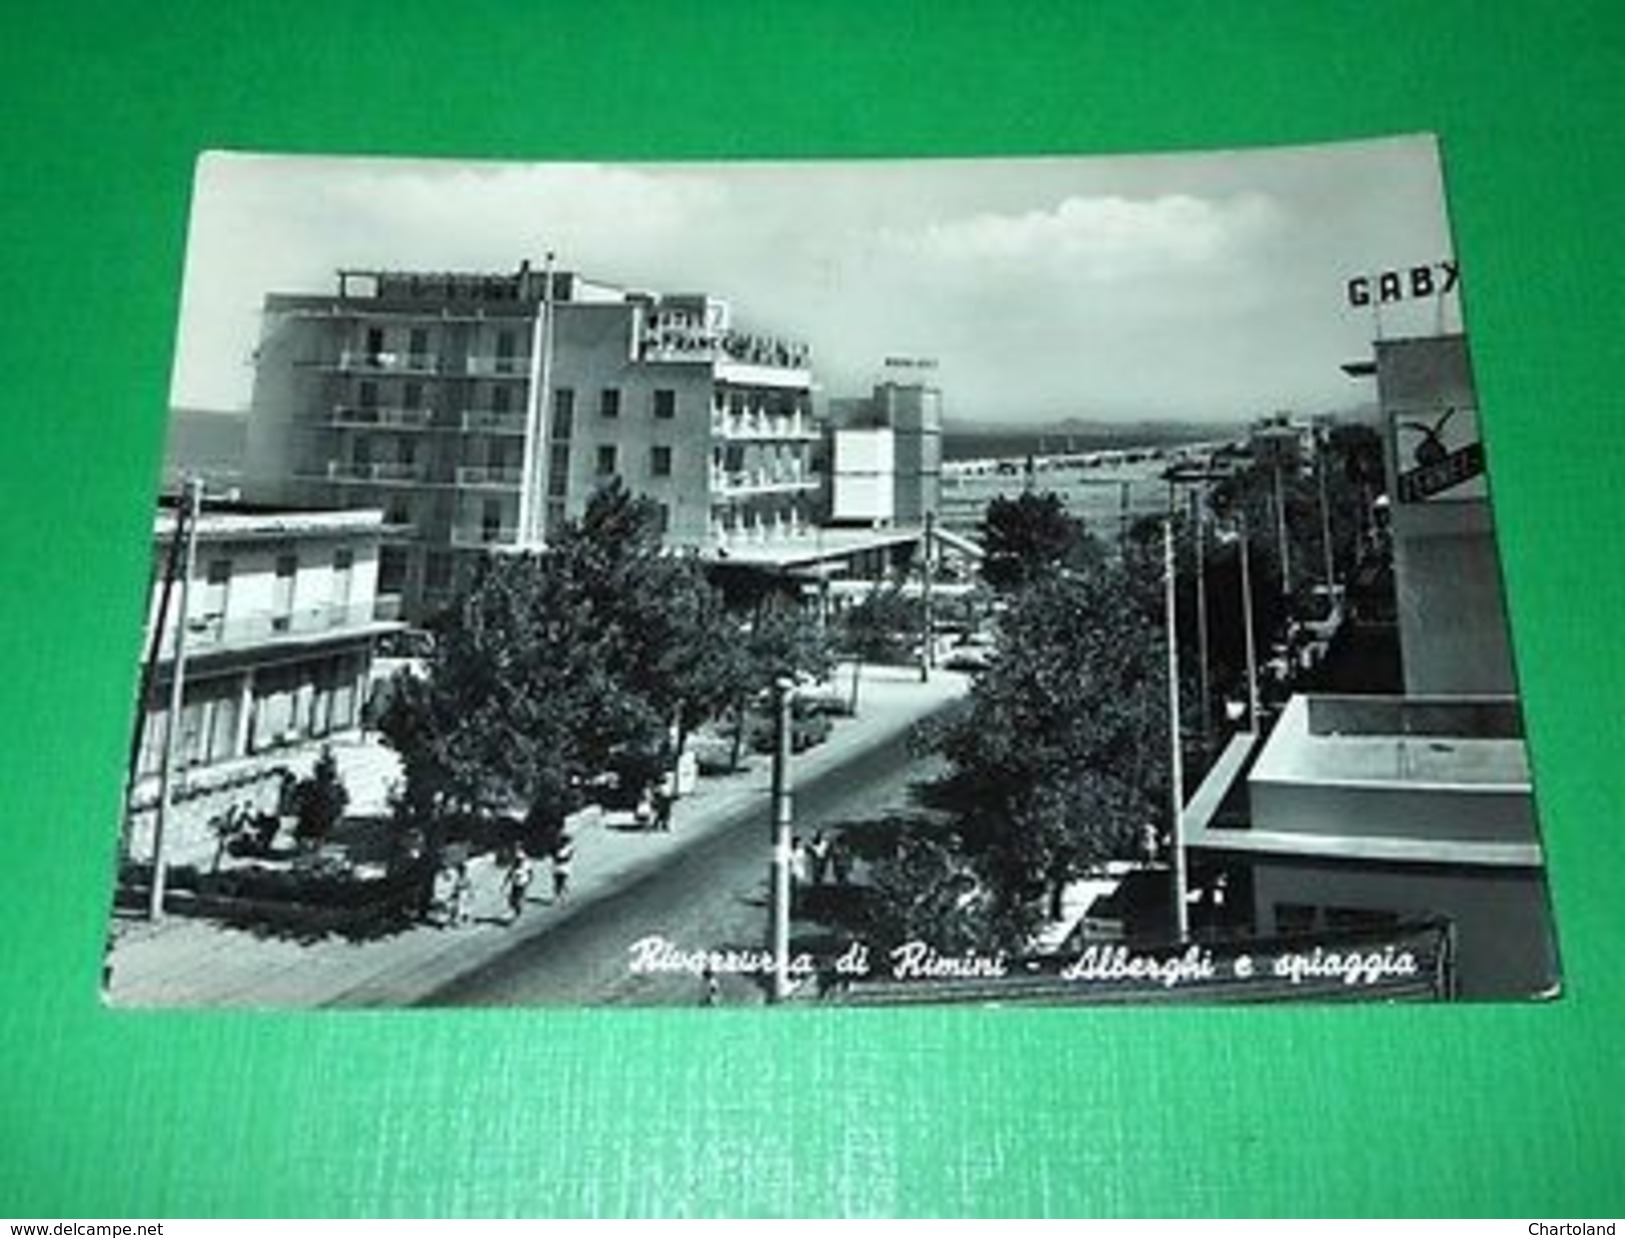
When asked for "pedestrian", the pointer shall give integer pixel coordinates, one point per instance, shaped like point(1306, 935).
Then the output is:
point(462, 895)
point(564, 854)
point(818, 854)
point(443, 900)
point(643, 813)
point(663, 796)
point(800, 869)
point(840, 858)
point(517, 882)
point(713, 986)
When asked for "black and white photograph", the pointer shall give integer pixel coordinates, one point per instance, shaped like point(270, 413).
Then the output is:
point(1042, 581)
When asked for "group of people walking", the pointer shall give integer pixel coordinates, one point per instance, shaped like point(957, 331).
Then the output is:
point(454, 882)
point(820, 859)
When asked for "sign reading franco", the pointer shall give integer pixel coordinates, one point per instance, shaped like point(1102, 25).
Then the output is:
point(1418, 283)
point(1439, 454)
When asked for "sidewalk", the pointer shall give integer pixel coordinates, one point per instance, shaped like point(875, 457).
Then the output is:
point(198, 962)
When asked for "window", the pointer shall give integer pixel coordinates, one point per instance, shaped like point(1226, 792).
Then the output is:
point(1295, 917)
point(375, 344)
point(418, 348)
point(217, 585)
point(491, 521)
point(606, 460)
point(392, 562)
point(505, 350)
point(343, 562)
point(665, 403)
point(500, 398)
point(558, 470)
point(660, 461)
point(564, 409)
point(1347, 918)
point(367, 394)
point(437, 571)
point(609, 402)
point(412, 395)
point(287, 567)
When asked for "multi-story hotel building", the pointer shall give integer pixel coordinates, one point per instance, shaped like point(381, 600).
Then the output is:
point(482, 411)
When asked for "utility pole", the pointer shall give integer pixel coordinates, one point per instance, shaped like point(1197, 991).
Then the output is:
point(1177, 764)
point(149, 670)
point(1280, 534)
point(1247, 626)
point(783, 700)
point(534, 470)
point(1321, 442)
point(1199, 519)
point(928, 657)
point(191, 507)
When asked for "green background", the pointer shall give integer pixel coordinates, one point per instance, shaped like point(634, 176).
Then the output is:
point(1490, 1109)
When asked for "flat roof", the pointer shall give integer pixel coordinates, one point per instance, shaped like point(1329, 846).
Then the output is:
point(290, 522)
point(1353, 755)
point(809, 548)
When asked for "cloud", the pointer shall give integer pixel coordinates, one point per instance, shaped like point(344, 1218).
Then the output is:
point(1106, 239)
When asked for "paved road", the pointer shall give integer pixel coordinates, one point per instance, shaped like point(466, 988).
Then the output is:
point(712, 895)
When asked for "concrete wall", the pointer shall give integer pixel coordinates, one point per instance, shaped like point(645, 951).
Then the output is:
point(1394, 810)
point(862, 467)
point(594, 353)
point(1452, 615)
point(1502, 917)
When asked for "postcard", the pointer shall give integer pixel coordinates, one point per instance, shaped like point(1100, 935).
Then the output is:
point(1003, 581)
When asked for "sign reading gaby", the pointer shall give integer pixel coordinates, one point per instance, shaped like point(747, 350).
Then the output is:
point(1417, 283)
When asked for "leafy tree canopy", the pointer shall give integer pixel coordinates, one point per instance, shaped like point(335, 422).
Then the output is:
point(1060, 761)
point(559, 665)
point(1029, 537)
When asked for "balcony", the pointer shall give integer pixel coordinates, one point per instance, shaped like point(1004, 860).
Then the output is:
point(499, 367)
point(504, 477)
point(379, 471)
point(738, 483)
point(209, 633)
point(758, 425)
point(480, 537)
point(489, 421)
point(387, 363)
point(375, 417)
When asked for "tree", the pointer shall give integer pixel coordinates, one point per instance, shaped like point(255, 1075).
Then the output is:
point(1061, 759)
point(561, 665)
point(319, 800)
point(1027, 538)
point(880, 628)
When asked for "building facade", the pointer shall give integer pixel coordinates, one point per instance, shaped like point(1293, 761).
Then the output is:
point(483, 411)
point(885, 456)
point(1374, 811)
point(282, 611)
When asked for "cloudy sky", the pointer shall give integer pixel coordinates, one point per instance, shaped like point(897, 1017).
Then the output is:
point(1205, 287)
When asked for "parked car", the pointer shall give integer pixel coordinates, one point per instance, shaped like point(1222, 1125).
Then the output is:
point(809, 727)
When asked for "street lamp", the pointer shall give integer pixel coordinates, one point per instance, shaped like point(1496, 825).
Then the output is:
point(783, 701)
point(190, 509)
point(1177, 764)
